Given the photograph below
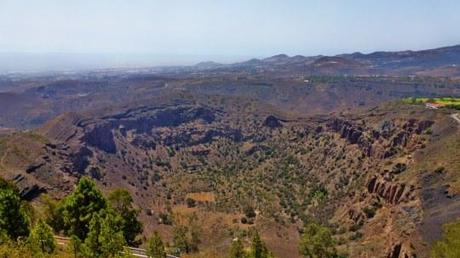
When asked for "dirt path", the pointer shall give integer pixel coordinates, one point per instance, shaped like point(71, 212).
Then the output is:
point(456, 117)
point(2, 159)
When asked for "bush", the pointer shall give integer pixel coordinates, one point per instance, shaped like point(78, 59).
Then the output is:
point(370, 211)
point(156, 248)
point(249, 212)
point(236, 249)
point(41, 238)
point(190, 202)
point(165, 218)
point(180, 240)
point(316, 242)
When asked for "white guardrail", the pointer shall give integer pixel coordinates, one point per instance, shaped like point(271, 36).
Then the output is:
point(137, 252)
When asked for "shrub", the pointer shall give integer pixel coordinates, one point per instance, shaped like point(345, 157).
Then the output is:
point(449, 245)
point(236, 249)
point(156, 248)
point(249, 211)
point(317, 242)
point(41, 238)
point(190, 202)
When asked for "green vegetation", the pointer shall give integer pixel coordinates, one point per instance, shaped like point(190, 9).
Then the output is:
point(449, 245)
point(80, 206)
point(41, 238)
point(237, 249)
point(180, 240)
point(258, 248)
point(122, 203)
point(449, 102)
point(156, 248)
point(317, 242)
point(14, 222)
point(104, 239)
point(98, 227)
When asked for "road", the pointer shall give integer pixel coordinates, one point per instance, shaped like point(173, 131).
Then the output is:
point(456, 117)
point(136, 252)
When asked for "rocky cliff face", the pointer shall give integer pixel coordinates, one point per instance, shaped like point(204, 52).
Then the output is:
point(345, 171)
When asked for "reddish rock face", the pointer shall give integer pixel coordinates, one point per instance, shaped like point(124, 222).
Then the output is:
point(393, 193)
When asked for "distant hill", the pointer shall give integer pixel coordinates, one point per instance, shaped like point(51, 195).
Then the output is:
point(433, 62)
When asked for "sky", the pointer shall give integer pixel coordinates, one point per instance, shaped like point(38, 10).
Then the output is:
point(184, 31)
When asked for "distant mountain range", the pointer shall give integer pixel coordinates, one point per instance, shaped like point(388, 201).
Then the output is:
point(433, 62)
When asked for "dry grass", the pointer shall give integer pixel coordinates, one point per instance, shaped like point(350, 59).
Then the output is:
point(202, 196)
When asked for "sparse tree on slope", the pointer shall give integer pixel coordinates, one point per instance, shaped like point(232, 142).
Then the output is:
point(104, 238)
point(80, 206)
point(41, 238)
point(156, 248)
point(122, 203)
point(180, 240)
point(317, 242)
point(237, 249)
point(258, 248)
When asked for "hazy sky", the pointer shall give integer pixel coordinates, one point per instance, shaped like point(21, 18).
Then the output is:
point(226, 29)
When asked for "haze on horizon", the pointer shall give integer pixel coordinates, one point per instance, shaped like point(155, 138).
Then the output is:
point(85, 34)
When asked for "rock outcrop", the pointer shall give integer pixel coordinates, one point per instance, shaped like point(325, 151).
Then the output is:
point(393, 193)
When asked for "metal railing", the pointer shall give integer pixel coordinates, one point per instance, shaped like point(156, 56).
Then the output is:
point(138, 252)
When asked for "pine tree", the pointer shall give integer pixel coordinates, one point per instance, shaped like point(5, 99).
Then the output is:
point(156, 248)
point(258, 248)
point(41, 238)
point(80, 206)
point(122, 203)
point(104, 238)
point(13, 220)
point(236, 249)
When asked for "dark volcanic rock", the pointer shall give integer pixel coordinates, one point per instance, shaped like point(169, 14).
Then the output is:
point(80, 160)
point(31, 192)
point(101, 137)
point(33, 168)
point(272, 122)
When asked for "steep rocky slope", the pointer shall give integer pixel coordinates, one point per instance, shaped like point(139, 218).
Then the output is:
point(364, 174)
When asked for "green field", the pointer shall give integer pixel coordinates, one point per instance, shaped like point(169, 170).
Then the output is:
point(450, 102)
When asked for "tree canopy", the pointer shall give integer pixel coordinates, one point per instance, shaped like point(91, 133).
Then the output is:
point(104, 238)
point(13, 220)
point(80, 206)
point(41, 238)
point(122, 203)
point(317, 242)
point(156, 248)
